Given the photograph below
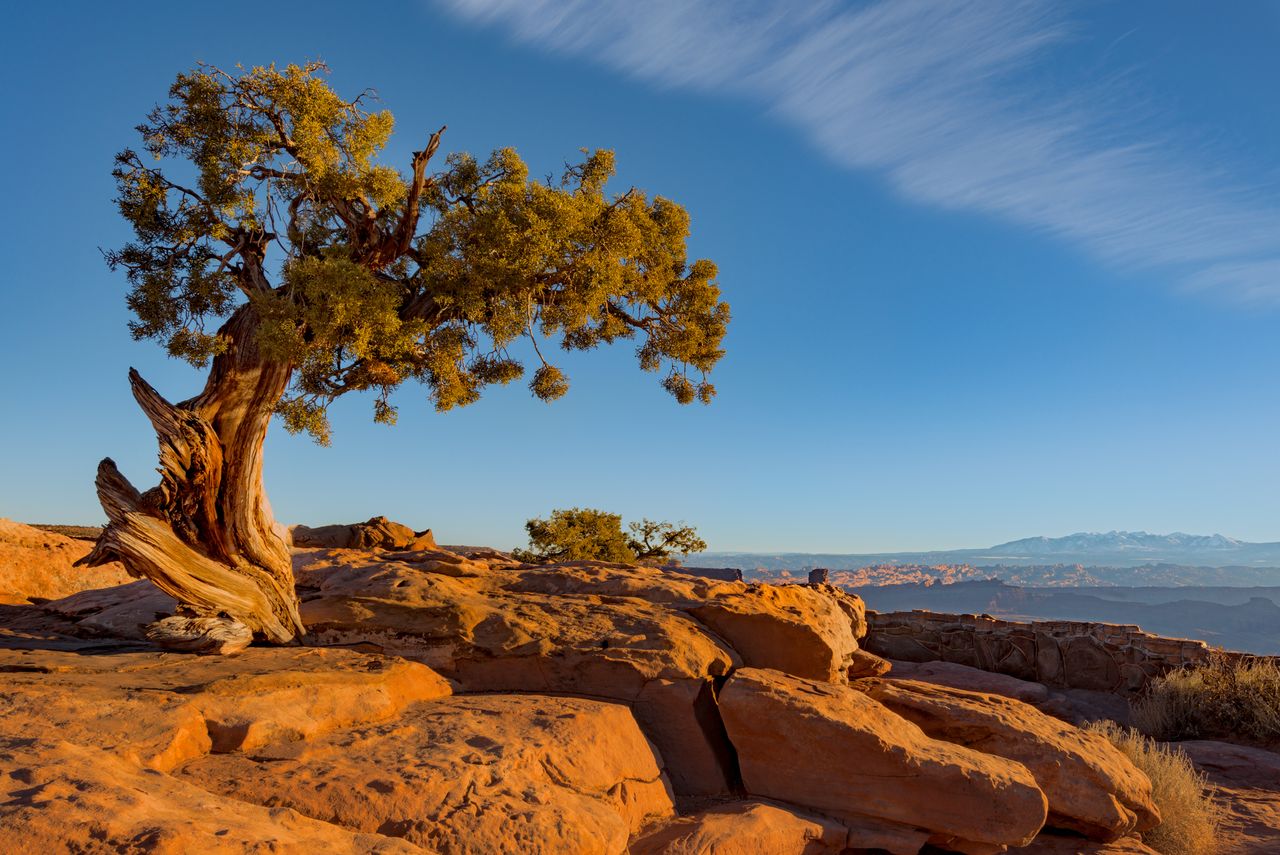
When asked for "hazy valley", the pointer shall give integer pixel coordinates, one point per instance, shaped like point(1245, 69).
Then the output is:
point(1212, 588)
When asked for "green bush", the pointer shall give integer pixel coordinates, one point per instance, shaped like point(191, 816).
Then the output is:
point(1189, 815)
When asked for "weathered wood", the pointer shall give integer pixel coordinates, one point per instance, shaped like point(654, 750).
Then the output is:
point(200, 635)
point(205, 534)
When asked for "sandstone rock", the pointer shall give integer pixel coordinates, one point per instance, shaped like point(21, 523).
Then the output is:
point(37, 564)
point(864, 664)
point(745, 828)
point(605, 630)
point(45, 695)
point(1090, 785)
point(619, 632)
point(851, 604)
point(1246, 783)
point(1081, 706)
point(159, 710)
point(834, 749)
point(681, 718)
point(291, 695)
point(724, 574)
point(376, 533)
point(972, 680)
point(1057, 844)
point(598, 630)
point(1063, 654)
point(59, 797)
point(791, 628)
point(123, 611)
point(467, 774)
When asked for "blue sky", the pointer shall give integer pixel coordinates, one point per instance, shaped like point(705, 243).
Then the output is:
point(997, 269)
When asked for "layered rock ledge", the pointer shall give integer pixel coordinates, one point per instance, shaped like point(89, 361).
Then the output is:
point(469, 704)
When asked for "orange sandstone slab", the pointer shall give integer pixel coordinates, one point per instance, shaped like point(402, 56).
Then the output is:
point(1091, 786)
point(467, 774)
point(833, 749)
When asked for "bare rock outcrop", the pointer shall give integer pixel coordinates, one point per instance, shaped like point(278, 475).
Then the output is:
point(375, 533)
point(834, 749)
point(57, 796)
point(37, 564)
point(468, 703)
point(473, 774)
point(307, 750)
point(1091, 787)
point(1246, 782)
point(1102, 657)
point(160, 710)
point(792, 628)
point(655, 640)
point(745, 828)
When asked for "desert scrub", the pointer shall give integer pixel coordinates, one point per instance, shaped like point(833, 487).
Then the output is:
point(1219, 699)
point(1189, 815)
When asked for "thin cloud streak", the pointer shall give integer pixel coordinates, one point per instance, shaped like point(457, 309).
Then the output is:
point(935, 97)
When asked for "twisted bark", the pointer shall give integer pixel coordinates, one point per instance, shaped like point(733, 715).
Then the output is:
point(205, 534)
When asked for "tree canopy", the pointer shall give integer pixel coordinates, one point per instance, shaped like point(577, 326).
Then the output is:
point(588, 534)
point(265, 186)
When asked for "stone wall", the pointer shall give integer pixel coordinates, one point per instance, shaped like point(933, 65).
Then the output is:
point(1068, 654)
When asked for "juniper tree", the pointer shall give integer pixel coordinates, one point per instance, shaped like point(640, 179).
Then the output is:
point(588, 534)
point(658, 541)
point(274, 247)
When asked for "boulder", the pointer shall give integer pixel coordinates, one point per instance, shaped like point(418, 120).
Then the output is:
point(745, 828)
point(37, 565)
point(638, 635)
point(376, 533)
point(56, 796)
point(834, 749)
point(466, 774)
point(791, 628)
point(1091, 786)
point(864, 664)
point(972, 680)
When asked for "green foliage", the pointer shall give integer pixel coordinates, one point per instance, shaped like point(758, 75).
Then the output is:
point(582, 534)
point(576, 534)
point(660, 540)
point(264, 186)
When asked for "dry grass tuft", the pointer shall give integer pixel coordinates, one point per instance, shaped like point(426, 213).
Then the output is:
point(1220, 699)
point(1189, 815)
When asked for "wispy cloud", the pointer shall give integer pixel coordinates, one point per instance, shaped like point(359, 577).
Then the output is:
point(939, 98)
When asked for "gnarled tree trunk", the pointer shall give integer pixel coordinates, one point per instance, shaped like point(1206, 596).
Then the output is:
point(205, 534)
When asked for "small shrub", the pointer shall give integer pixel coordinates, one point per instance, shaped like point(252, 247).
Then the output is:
point(1189, 815)
point(1220, 699)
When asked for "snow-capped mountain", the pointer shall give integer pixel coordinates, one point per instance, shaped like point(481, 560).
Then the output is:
point(1113, 549)
point(1136, 542)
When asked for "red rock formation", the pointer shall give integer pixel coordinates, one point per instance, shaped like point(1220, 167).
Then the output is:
point(377, 750)
point(37, 564)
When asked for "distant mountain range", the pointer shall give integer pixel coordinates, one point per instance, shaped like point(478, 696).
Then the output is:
point(1110, 549)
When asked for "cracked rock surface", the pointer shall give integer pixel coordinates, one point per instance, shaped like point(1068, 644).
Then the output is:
point(470, 704)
